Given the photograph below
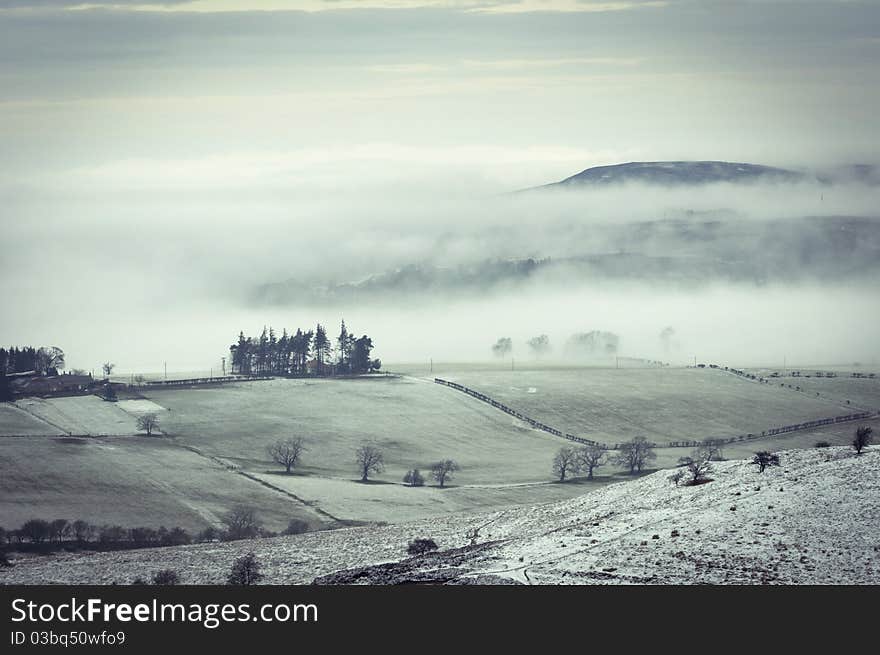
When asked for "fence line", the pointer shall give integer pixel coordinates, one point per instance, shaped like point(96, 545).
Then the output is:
point(670, 444)
point(210, 380)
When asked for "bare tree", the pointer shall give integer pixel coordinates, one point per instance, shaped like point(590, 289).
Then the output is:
point(369, 459)
point(148, 422)
point(443, 470)
point(48, 359)
point(82, 530)
point(764, 458)
point(565, 462)
point(37, 530)
point(590, 457)
point(713, 449)
point(287, 452)
point(502, 347)
point(108, 369)
point(539, 345)
point(698, 465)
point(635, 454)
point(241, 523)
point(58, 529)
point(862, 438)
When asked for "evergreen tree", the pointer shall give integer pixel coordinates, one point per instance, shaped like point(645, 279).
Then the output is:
point(343, 348)
point(322, 347)
point(360, 358)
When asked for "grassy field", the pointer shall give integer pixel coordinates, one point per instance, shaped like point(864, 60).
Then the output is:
point(15, 421)
point(79, 415)
point(130, 482)
point(662, 404)
point(414, 423)
point(861, 392)
point(134, 480)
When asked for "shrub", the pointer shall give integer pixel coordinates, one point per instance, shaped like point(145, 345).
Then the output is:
point(176, 537)
point(209, 534)
point(420, 546)
point(112, 534)
point(698, 465)
point(109, 393)
point(676, 477)
point(241, 523)
point(166, 577)
point(822, 444)
point(82, 530)
point(36, 530)
point(4, 561)
point(862, 438)
point(245, 571)
point(764, 458)
point(414, 479)
point(296, 526)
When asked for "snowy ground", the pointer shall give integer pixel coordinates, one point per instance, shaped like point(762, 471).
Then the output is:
point(79, 415)
point(814, 520)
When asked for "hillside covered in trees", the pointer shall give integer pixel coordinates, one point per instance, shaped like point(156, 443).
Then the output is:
point(303, 353)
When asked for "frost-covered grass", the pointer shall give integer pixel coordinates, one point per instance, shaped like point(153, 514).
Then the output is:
point(662, 404)
point(414, 423)
point(135, 480)
point(812, 520)
point(388, 502)
point(130, 481)
point(16, 421)
point(82, 415)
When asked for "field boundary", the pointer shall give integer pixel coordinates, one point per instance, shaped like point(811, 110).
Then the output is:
point(189, 382)
point(232, 468)
point(771, 432)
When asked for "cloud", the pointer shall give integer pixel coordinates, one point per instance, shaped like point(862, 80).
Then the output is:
point(219, 6)
point(592, 6)
point(90, 4)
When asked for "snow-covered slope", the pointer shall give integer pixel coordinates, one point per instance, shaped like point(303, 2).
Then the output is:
point(815, 519)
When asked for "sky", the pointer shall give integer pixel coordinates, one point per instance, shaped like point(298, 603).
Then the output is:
point(151, 152)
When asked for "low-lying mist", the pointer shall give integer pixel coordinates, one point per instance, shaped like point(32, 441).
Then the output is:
point(143, 275)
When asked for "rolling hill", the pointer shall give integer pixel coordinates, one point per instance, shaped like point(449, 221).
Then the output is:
point(810, 521)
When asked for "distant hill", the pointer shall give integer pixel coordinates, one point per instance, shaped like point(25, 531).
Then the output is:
point(678, 173)
point(692, 250)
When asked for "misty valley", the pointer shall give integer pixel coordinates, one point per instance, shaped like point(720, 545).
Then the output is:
point(595, 365)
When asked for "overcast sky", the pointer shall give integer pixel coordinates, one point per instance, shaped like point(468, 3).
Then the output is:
point(151, 153)
point(511, 92)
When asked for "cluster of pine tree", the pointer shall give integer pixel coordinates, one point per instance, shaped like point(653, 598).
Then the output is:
point(43, 360)
point(302, 353)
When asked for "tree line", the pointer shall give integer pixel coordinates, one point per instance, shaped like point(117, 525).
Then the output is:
point(582, 344)
point(301, 353)
point(42, 535)
point(43, 360)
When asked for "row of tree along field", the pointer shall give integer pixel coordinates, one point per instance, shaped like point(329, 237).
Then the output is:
point(368, 460)
point(583, 344)
point(635, 455)
point(40, 535)
point(303, 353)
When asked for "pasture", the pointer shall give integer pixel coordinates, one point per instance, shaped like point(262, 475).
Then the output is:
point(662, 404)
point(131, 482)
point(213, 453)
point(411, 421)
